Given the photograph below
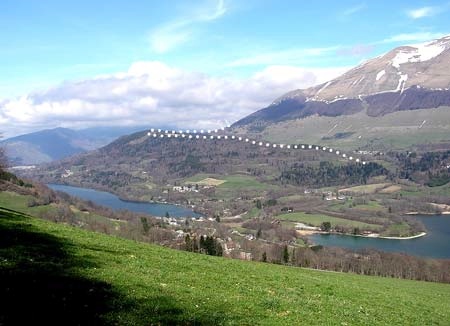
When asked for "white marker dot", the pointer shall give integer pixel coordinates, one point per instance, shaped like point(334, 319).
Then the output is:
point(202, 131)
point(309, 146)
point(296, 146)
point(218, 137)
point(337, 152)
point(343, 155)
point(215, 130)
point(274, 145)
point(324, 148)
point(350, 158)
point(190, 136)
point(317, 148)
point(357, 160)
point(253, 142)
point(183, 135)
point(173, 131)
point(288, 146)
point(331, 150)
point(233, 137)
point(209, 131)
point(211, 137)
point(169, 135)
point(281, 145)
point(166, 132)
point(155, 135)
point(197, 136)
point(152, 130)
point(260, 143)
point(240, 138)
point(162, 136)
point(246, 140)
point(267, 144)
point(364, 163)
point(204, 137)
point(187, 131)
point(159, 130)
point(226, 137)
point(194, 131)
point(148, 134)
point(176, 135)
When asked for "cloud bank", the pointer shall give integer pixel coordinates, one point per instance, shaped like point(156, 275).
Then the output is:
point(154, 94)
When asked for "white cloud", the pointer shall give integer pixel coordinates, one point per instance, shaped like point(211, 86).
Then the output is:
point(413, 37)
point(172, 34)
point(154, 93)
point(353, 10)
point(422, 12)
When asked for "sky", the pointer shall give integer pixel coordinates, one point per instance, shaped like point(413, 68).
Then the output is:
point(199, 63)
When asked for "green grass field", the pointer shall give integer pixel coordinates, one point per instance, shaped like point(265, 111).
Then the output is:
point(233, 184)
point(318, 219)
point(52, 273)
point(18, 202)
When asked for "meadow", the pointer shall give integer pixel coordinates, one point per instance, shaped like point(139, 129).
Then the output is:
point(62, 274)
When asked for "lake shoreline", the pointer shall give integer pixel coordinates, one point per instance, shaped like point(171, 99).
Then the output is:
point(151, 205)
point(373, 236)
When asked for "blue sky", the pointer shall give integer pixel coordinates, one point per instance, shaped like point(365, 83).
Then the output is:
point(48, 44)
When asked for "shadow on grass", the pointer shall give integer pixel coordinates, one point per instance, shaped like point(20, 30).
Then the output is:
point(41, 283)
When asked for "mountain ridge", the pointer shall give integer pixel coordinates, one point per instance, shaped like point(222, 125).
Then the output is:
point(407, 78)
point(53, 144)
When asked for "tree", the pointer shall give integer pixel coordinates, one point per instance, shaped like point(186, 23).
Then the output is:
point(145, 226)
point(167, 215)
point(286, 254)
point(188, 243)
point(258, 204)
point(264, 257)
point(326, 226)
point(258, 233)
point(3, 159)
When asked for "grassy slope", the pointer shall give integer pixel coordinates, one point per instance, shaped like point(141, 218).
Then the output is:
point(19, 203)
point(318, 219)
point(397, 130)
point(75, 276)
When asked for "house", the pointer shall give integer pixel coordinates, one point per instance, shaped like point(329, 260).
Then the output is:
point(188, 188)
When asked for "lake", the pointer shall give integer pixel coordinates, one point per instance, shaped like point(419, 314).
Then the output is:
point(112, 201)
point(435, 244)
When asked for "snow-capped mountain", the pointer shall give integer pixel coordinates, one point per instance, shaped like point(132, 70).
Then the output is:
point(406, 78)
point(425, 65)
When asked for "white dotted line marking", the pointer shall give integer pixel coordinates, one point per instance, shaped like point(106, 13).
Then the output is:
point(194, 134)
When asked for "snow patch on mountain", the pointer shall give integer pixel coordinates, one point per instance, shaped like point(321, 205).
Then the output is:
point(418, 53)
point(401, 83)
point(380, 74)
point(325, 86)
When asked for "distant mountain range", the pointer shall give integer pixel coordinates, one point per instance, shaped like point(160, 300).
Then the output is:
point(407, 78)
point(53, 144)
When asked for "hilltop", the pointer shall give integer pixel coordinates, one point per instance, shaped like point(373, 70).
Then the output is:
point(53, 144)
point(62, 274)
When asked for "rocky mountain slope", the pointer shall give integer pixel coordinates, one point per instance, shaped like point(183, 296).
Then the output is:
point(415, 77)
